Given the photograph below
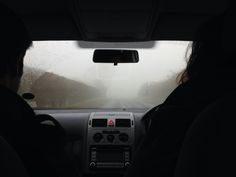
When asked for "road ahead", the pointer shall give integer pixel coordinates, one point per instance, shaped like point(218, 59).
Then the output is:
point(112, 103)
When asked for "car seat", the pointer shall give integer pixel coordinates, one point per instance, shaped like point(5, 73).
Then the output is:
point(209, 146)
point(10, 163)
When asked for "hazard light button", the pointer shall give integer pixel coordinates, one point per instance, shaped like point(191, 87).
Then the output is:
point(111, 123)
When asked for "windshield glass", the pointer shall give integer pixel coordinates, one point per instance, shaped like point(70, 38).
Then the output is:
point(61, 74)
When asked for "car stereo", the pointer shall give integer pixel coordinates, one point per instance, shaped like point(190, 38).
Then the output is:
point(110, 140)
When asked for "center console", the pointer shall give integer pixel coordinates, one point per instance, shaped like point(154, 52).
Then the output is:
point(110, 139)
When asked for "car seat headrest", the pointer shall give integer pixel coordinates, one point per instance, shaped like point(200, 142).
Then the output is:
point(209, 147)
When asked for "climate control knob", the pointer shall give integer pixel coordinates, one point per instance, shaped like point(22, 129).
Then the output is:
point(97, 137)
point(92, 165)
point(110, 138)
point(123, 137)
point(127, 164)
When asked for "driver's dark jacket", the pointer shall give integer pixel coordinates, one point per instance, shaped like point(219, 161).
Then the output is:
point(21, 129)
point(158, 153)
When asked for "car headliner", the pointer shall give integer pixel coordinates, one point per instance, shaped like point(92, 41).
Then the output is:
point(123, 20)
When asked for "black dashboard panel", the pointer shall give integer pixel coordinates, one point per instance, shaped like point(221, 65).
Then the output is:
point(83, 129)
point(110, 144)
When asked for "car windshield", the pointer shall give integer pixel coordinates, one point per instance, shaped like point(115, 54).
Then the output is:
point(62, 74)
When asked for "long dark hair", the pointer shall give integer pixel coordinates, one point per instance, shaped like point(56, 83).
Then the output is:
point(207, 56)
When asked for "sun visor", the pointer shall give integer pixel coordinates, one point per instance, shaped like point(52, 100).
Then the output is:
point(107, 20)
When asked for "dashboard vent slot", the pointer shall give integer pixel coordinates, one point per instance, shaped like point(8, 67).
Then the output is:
point(100, 115)
point(118, 115)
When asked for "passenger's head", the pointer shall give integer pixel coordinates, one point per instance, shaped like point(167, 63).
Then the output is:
point(208, 57)
point(14, 41)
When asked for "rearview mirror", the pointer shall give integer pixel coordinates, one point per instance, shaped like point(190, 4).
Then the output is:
point(115, 56)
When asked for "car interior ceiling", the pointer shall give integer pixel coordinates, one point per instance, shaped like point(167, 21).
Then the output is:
point(87, 20)
point(144, 21)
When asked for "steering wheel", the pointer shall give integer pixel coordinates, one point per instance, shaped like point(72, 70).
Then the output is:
point(55, 130)
point(146, 119)
point(145, 122)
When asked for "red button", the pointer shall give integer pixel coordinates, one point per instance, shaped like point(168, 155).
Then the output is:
point(111, 123)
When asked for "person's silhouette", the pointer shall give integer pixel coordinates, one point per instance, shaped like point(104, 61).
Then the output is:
point(18, 123)
point(209, 74)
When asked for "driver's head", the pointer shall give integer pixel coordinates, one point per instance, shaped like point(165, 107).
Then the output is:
point(14, 41)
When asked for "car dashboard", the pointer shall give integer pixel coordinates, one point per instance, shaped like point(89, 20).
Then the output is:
point(100, 142)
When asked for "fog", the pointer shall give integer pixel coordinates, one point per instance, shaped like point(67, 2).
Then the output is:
point(57, 67)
